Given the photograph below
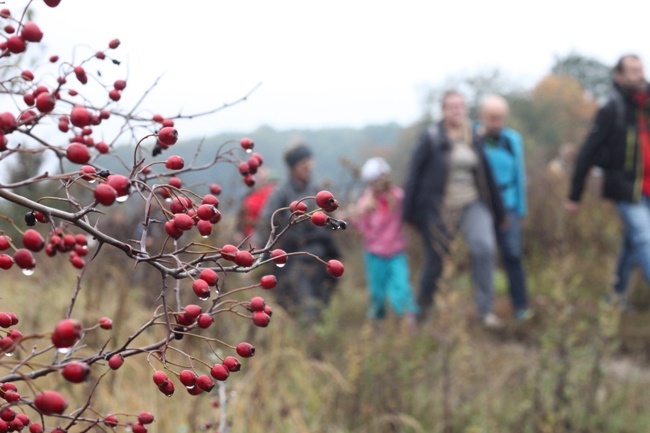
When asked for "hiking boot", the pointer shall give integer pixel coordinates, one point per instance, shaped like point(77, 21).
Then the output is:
point(492, 321)
point(523, 315)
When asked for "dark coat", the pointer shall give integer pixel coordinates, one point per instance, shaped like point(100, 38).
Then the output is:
point(613, 144)
point(426, 180)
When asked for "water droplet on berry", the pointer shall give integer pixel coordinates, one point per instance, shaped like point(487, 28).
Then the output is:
point(204, 298)
point(63, 350)
point(122, 198)
point(28, 272)
point(280, 265)
point(205, 236)
point(190, 387)
point(168, 200)
point(249, 151)
point(93, 180)
point(9, 354)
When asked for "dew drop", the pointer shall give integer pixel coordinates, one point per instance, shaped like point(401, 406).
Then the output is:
point(168, 200)
point(122, 198)
point(9, 354)
point(204, 298)
point(28, 272)
point(190, 387)
point(280, 265)
point(63, 350)
point(217, 292)
point(93, 180)
point(249, 151)
point(205, 236)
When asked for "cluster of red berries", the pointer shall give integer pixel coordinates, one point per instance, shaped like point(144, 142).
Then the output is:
point(249, 168)
point(186, 214)
point(11, 339)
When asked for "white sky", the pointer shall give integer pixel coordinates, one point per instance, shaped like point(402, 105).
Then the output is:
point(334, 63)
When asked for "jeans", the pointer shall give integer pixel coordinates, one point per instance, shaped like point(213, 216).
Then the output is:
point(477, 228)
point(388, 280)
point(624, 265)
point(509, 241)
point(636, 221)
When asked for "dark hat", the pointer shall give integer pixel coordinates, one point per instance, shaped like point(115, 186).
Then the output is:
point(296, 154)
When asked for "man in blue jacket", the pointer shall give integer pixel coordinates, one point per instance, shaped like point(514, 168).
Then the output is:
point(504, 150)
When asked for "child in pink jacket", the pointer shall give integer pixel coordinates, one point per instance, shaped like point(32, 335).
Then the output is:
point(378, 218)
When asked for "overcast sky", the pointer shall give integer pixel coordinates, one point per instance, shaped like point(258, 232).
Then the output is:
point(334, 63)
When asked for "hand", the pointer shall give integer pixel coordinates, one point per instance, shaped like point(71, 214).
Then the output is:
point(571, 206)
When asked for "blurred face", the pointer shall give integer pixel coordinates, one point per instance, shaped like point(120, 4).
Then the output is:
point(381, 184)
point(302, 170)
point(493, 117)
point(632, 76)
point(454, 111)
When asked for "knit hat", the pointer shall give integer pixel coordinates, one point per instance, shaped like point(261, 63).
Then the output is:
point(296, 154)
point(374, 168)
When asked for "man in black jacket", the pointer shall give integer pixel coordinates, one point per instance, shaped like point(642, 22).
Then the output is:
point(619, 142)
point(450, 188)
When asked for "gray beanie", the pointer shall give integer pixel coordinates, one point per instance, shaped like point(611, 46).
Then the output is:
point(297, 154)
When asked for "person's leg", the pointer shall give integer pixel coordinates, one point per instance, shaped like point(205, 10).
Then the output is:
point(624, 265)
point(398, 285)
point(636, 219)
point(478, 230)
point(376, 276)
point(434, 246)
point(509, 241)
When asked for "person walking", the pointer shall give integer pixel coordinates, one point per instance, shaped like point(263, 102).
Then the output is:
point(619, 143)
point(450, 188)
point(504, 149)
point(377, 217)
point(306, 286)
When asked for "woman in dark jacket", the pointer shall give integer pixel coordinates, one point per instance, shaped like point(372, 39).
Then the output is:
point(449, 188)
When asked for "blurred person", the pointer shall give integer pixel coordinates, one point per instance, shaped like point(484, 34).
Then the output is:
point(619, 143)
point(253, 203)
point(504, 149)
point(450, 188)
point(561, 166)
point(305, 287)
point(377, 216)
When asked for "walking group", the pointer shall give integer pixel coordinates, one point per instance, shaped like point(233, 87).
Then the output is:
point(467, 177)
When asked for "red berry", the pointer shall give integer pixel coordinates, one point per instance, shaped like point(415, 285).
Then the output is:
point(66, 333)
point(172, 230)
point(244, 259)
point(36, 427)
point(245, 350)
point(201, 288)
point(110, 421)
point(204, 321)
point(31, 32)
point(268, 281)
point(244, 169)
point(229, 252)
point(279, 256)
point(257, 303)
point(167, 388)
point(77, 261)
point(215, 189)
point(114, 44)
point(16, 44)
point(50, 403)
point(168, 135)
point(119, 84)
point(6, 261)
point(24, 259)
point(105, 194)
point(206, 212)
point(298, 207)
point(253, 164)
point(246, 143)
point(231, 363)
point(78, 153)
point(44, 103)
point(183, 221)
point(187, 378)
point(27, 75)
point(175, 182)
point(102, 147)
point(76, 372)
point(52, 3)
point(193, 311)
point(105, 323)
point(175, 162)
point(319, 218)
point(5, 242)
point(33, 241)
point(335, 268)
point(145, 418)
point(261, 319)
point(160, 378)
point(205, 382)
point(219, 372)
point(80, 116)
point(115, 361)
point(325, 200)
point(5, 320)
point(122, 184)
point(249, 180)
point(114, 95)
point(138, 428)
point(100, 55)
point(209, 276)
